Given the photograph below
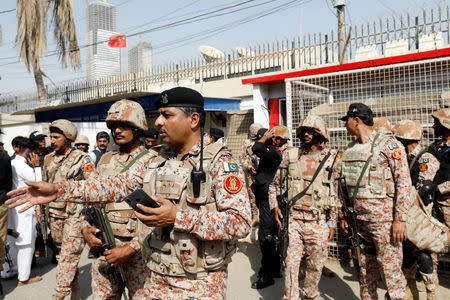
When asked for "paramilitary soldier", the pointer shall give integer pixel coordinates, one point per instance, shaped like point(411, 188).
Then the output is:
point(194, 237)
point(376, 170)
point(441, 150)
point(423, 167)
point(249, 162)
point(65, 222)
point(127, 122)
point(312, 218)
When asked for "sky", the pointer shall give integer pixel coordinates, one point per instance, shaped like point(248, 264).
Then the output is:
point(173, 44)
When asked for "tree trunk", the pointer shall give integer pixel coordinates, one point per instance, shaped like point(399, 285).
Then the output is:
point(42, 92)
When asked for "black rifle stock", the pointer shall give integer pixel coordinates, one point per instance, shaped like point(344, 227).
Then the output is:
point(283, 237)
point(95, 216)
point(350, 217)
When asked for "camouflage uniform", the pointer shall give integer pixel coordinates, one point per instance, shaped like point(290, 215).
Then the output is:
point(310, 216)
point(248, 160)
point(218, 223)
point(124, 225)
point(386, 198)
point(64, 218)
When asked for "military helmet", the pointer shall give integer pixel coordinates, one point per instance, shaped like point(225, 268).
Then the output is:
point(382, 125)
point(66, 127)
point(128, 112)
point(82, 139)
point(443, 116)
point(281, 131)
point(408, 130)
point(315, 123)
point(253, 130)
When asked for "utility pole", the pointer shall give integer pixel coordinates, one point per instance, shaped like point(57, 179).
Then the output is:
point(342, 39)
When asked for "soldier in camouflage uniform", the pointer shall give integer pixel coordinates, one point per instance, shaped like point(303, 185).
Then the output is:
point(312, 218)
point(62, 165)
point(249, 162)
point(194, 237)
point(423, 167)
point(441, 150)
point(127, 122)
point(382, 200)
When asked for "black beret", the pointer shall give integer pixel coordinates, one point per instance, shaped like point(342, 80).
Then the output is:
point(180, 97)
point(151, 133)
point(216, 132)
point(261, 132)
point(357, 110)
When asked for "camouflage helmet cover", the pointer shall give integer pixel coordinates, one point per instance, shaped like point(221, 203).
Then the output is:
point(315, 123)
point(443, 116)
point(382, 125)
point(82, 139)
point(408, 130)
point(281, 131)
point(128, 112)
point(68, 128)
point(253, 130)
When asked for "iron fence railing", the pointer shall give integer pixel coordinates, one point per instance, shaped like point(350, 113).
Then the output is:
point(387, 36)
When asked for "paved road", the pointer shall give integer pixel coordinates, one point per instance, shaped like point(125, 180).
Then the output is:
point(242, 272)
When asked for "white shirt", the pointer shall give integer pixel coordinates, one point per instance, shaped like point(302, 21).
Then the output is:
point(23, 222)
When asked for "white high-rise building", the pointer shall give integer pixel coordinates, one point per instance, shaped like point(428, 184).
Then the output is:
point(102, 60)
point(140, 58)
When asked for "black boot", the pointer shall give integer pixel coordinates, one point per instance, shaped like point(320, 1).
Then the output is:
point(263, 281)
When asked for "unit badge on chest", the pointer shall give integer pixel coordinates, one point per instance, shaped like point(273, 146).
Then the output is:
point(232, 184)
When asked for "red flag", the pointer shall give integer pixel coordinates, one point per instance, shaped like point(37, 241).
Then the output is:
point(118, 41)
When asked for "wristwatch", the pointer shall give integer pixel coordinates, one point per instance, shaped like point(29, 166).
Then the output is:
point(267, 136)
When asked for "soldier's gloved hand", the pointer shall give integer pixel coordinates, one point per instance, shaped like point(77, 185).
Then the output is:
point(119, 255)
point(90, 238)
point(344, 226)
point(278, 216)
point(398, 231)
point(331, 235)
point(162, 216)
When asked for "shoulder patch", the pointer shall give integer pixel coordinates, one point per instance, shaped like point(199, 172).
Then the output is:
point(397, 154)
point(393, 146)
point(424, 160)
point(423, 167)
point(89, 167)
point(232, 184)
point(231, 167)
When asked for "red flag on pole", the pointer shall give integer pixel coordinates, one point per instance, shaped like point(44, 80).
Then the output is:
point(117, 41)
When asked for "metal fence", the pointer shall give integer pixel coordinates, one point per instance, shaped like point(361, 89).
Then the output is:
point(388, 36)
point(397, 92)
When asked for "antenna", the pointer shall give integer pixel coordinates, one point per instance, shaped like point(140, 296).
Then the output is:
point(211, 54)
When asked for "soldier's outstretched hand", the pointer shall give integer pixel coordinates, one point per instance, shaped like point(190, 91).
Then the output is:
point(34, 194)
point(398, 231)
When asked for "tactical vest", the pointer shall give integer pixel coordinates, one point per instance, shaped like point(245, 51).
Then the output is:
point(377, 181)
point(122, 220)
point(320, 195)
point(176, 253)
point(69, 168)
point(253, 159)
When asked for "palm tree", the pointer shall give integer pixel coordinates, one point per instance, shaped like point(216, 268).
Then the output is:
point(31, 36)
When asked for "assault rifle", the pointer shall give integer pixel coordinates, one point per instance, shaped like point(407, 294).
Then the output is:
point(96, 217)
point(43, 226)
point(283, 236)
point(350, 216)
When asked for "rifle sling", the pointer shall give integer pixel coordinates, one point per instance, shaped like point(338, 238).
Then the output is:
point(366, 164)
point(128, 166)
point(302, 193)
